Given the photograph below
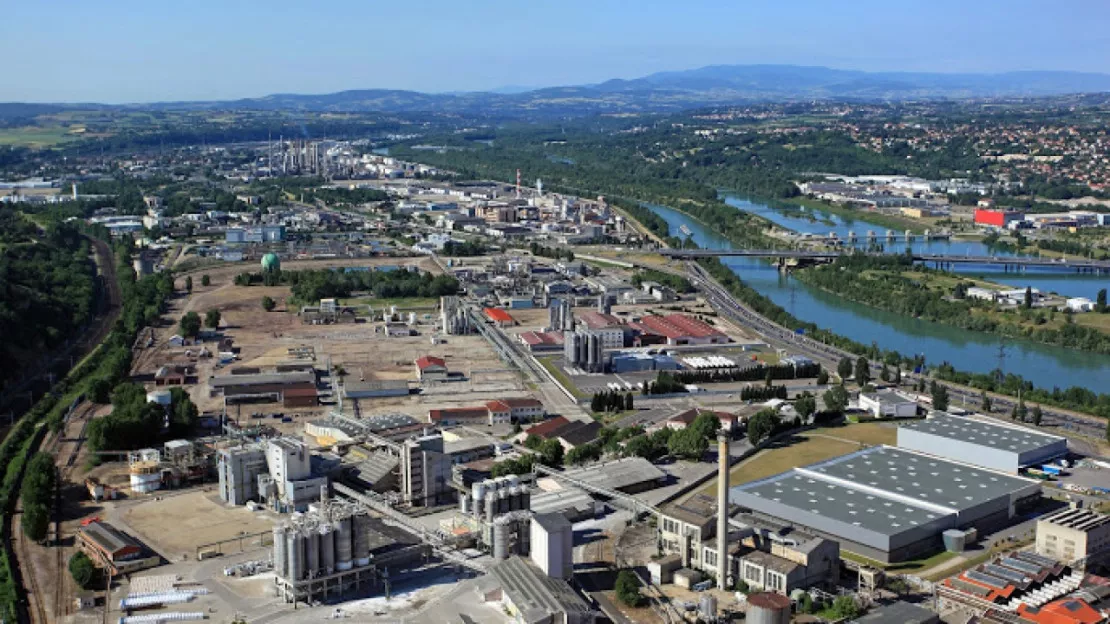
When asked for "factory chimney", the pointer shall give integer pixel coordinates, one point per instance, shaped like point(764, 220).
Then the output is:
point(722, 510)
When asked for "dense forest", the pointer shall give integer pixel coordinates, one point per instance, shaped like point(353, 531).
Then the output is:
point(311, 286)
point(47, 290)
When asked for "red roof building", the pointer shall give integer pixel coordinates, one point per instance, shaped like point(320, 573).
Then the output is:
point(542, 341)
point(429, 361)
point(593, 319)
point(460, 416)
point(1064, 611)
point(549, 429)
point(499, 316)
point(516, 410)
point(681, 329)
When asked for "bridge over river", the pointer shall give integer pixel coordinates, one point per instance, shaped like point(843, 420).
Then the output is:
point(1007, 262)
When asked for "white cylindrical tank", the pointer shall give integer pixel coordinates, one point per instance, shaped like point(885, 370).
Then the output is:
point(501, 531)
point(327, 549)
point(412, 318)
point(514, 498)
point(294, 547)
point(464, 503)
point(503, 501)
point(360, 540)
point(311, 553)
point(343, 557)
point(280, 565)
point(146, 476)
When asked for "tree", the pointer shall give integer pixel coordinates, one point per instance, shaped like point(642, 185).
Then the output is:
point(863, 371)
point(628, 589)
point(844, 608)
point(1100, 300)
point(688, 444)
point(822, 377)
point(81, 569)
point(1108, 430)
point(1037, 415)
point(844, 368)
point(884, 374)
point(36, 521)
point(189, 284)
point(212, 318)
point(205, 280)
point(190, 325)
point(835, 399)
point(939, 392)
point(629, 402)
point(1021, 411)
point(805, 604)
point(897, 379)
point(268, 303)
point(100, 391)
point(984, 402)
point(805, 405)
point(761, 425)
point(551, 453)
point(1028, 301)
point(532, 442)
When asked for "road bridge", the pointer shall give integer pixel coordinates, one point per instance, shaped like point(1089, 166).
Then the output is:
point(1081, 265)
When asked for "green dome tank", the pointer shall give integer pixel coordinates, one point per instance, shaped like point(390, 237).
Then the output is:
point(270, 262)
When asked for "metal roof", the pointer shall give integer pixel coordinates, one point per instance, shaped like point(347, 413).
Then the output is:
point(560, 501)
point(883, 489)
point(1084, 520)
point(985, 433)
point(617, 474)
point(552, 522)
point(899, 612)
point(262, 379)
point(108, 538)
point(534, 593)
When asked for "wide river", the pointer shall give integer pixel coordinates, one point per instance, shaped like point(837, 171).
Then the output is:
point(1044, 365)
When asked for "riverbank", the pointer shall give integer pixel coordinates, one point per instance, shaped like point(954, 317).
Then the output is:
point(891, 222)
point(896, 285)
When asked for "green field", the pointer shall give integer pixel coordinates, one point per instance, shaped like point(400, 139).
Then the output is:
point(36, 136)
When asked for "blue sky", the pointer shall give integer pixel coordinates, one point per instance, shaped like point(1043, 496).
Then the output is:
point(124, 51)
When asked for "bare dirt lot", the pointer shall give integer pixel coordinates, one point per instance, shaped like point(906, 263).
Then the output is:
point(178, 523)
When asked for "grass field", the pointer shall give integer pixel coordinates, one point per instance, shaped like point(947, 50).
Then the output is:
point(402, 303)
point(808, 448)
point(35, 136)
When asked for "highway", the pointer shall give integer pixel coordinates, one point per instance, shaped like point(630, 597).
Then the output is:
point(828, 356)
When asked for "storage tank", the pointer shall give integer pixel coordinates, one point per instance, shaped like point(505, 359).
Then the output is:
point(412, 318)
point(146, 477)
point(343, 544)
point(271, 263)
point(490, 505)
point(570, 349)
point(280, 565)
point(360, 540)
point(525, 497)
point(583, 349)
point(464, 503)
point(514, 498)
point(327, 549)
point(501, 536)
point(708, 606)
point(311, 553)
point(591, 353)
point(294, 551)
point(768, 608)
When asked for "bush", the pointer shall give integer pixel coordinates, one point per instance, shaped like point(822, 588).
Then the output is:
point(268, 304)
point(81, 568)
point(628, 589)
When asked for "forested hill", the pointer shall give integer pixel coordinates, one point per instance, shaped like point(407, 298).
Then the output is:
point(47, 290)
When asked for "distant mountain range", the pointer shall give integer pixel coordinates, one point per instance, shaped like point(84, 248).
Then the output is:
point(666, 91)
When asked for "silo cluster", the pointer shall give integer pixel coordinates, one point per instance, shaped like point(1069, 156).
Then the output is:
point(314, 545)
point(560, 315)
point(585, 350)
point(496, 497)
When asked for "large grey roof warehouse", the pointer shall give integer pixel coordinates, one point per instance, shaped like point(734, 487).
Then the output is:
point(884, 501)
point(988, 443)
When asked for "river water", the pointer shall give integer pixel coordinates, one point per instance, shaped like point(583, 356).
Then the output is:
point(816, 222)
point(1044, 365)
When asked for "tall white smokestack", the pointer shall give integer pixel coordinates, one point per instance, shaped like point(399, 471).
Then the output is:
point(722, 509)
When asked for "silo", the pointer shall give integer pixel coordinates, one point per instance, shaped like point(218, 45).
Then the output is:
point(279, 551)
point(343, 544)
point(571, 349)
point(294, 552)
point(523, 535)
point(360, 540)
point(327, 549)
point(464, 503)
point(514, 497)
point(311, 552)
point(490, 504)
point(513, 480)
point(591, 354)
point(768, 608)
point(583, 349)
point(600, 356)
point(554, 316)
point(501, 531)
point(525, 497)
point(503, 501)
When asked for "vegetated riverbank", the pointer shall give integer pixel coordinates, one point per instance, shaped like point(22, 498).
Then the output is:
point(896, 284)
point(890, 222)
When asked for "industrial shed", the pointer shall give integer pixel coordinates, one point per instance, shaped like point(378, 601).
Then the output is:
point(629, 475)
point(990, 444)
point(375, 389)
point(886, 503)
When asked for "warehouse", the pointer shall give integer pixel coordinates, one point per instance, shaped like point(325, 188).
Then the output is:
point(296, 389)
point(629, 475)
point(990, 444)
point(375, 389)
point(886, 503)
